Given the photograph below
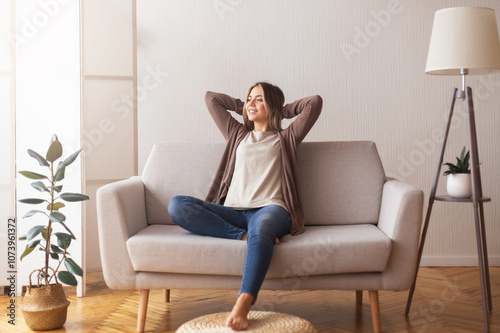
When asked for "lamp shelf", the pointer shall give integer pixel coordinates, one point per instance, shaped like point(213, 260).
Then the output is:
point(452, 199)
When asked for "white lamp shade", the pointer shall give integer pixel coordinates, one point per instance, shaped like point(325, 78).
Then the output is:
point(464, 38)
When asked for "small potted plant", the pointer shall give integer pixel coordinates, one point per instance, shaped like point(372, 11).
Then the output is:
point(459, 184)
point(44, 304)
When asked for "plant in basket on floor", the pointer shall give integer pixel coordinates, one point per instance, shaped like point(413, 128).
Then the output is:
point(45, 304)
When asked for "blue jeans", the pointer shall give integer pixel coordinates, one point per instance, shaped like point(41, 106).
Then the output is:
point(262, 225)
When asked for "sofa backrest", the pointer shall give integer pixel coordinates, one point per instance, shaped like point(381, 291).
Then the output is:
point(341, 182)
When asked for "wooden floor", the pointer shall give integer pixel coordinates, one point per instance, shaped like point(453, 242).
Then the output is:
point(446, 300)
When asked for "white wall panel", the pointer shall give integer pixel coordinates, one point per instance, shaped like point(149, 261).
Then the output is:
point(108, 134)
point(365, 58)
point(110, 112)
point(107, 45)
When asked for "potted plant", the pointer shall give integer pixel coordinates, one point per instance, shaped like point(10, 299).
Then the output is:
point(459, 183)
point(45, 304)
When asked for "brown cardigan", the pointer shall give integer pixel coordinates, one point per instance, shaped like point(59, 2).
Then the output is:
point(307, 109)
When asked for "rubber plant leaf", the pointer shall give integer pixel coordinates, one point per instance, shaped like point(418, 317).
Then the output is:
point(32, 201)
point(73, 197)
point(39, 186)
point(56, 206)
point(32, 175)
point(67, 278)
point(54, 152)
point(73, 267)
point(56, 249)
point(57, 217)
point(71, 158)
point(63, 240)
point(35, 231)
point(26, 252)
point(38, 157)
point(32, 212)
point(60, 173)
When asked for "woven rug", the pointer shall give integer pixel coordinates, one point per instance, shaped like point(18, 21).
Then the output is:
point(258, 321)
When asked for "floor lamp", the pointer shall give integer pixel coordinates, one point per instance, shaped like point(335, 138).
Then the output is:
point(464, 41)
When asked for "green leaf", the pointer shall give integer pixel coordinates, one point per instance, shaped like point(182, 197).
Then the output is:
point(462, 154)
point(73, 197)
point(55, 151)
point(67, 278)
point(26, 252)
point(63, 240)
point(57, 217)
point(33, 212)
point(34, 243)
point(39, 186)
point(56, 249)
point(44, 233)
point(67, 229)
point(32, 201)
point(32, 175)
point(38, 157)
point(71, 158)
point(60, 173)
point(54, 256)
point(56, 188)
point(56, 206)
point(73, 267)
point(22, 238)
point(35, 231)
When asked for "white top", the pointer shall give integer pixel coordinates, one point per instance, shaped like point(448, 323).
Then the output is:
point(257, 173)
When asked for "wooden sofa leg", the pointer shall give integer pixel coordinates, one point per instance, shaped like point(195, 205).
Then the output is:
point(143, 309)
point(374, 304)
point(359, 296)
point(166, 295)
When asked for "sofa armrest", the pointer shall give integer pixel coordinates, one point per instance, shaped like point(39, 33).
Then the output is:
point(121, 213)
point(401, 220)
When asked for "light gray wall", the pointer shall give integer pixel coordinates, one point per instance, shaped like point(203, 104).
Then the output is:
point(365, 58)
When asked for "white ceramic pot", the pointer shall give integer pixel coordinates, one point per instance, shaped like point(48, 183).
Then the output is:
point(459, 185)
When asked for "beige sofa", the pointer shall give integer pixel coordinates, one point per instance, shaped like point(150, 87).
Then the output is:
point(362, 230)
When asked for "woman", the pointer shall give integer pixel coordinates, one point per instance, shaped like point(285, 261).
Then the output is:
point(255, 194)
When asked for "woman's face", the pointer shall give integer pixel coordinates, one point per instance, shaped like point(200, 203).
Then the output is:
point(256, 107)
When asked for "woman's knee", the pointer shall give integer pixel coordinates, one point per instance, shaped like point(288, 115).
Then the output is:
point(262, 228)
point(270, 224)
point(176, 207)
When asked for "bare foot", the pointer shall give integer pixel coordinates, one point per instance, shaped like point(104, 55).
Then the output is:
point(276, 240)
point(238, 318)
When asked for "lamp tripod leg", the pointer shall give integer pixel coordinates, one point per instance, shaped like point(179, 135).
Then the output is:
point(479, 218)
point(431, 198)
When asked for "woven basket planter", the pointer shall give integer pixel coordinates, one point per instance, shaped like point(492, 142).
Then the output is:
point(45, 307)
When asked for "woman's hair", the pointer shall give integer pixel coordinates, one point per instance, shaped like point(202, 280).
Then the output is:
point(274, 100)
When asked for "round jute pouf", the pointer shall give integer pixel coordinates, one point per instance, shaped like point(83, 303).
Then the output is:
point(258, 321)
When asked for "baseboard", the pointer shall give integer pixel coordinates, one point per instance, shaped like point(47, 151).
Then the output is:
point(433, 261)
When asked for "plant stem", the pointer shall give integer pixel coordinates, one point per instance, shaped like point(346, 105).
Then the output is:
point(60, 261)
point(49, 227)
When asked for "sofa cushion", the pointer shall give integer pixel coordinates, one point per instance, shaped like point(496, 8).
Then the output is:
point(320, 250)
point(341, 182)
point(177, 169)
